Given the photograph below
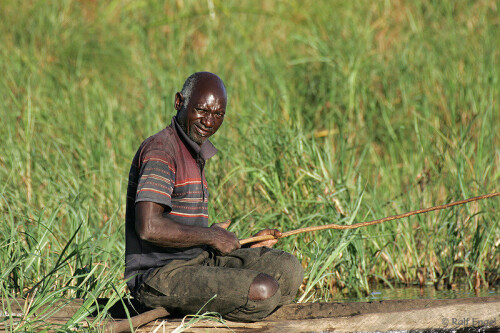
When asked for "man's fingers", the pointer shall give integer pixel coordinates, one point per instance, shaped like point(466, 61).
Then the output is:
point(275, 232)
point(268, 243)
point(224, 224)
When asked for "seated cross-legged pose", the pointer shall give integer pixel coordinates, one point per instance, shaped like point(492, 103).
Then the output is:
point(173, 258)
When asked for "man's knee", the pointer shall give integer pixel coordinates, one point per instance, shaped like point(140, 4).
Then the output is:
point(263, 287)
point(263, 297)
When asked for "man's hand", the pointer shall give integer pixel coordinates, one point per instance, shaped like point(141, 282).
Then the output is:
point(268, 243)
point(224, 241)
point(223, 225)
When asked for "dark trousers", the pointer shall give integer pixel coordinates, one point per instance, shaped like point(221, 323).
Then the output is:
point(187, 286)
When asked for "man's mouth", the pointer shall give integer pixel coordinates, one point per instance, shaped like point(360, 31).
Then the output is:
point(201, 131)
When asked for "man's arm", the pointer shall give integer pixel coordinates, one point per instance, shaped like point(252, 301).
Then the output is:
point(153, 227)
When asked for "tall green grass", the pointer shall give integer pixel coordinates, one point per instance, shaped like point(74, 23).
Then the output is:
point(338, 112)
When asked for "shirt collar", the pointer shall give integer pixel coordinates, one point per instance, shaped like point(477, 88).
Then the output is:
point(205, 151)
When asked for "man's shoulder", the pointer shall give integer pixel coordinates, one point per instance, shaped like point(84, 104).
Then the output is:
point(165, 141)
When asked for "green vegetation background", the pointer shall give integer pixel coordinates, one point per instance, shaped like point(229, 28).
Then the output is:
point(339, 112)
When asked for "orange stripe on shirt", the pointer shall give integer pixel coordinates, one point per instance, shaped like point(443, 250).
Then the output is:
point(159, 160)
point(153, 190)
point(190, 200)
point(163, 179)
point(189, 215)
point(187, 182)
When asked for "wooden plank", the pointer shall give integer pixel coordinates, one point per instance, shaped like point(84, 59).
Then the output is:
point(348, 316)
point(65, 308)
point(365, 317)
point(336, 309)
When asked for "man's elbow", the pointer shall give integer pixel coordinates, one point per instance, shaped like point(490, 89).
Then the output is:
point(147, 220)
point(145, 231)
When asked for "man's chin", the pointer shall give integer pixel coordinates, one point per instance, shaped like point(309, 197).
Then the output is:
point(199, 140)
point(196, 137)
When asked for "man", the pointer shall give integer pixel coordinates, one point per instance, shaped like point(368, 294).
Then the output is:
point(173, 258)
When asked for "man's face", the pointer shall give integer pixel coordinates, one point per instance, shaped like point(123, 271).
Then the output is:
point(205, 111)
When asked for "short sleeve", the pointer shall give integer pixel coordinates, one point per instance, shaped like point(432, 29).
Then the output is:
point(156, 180)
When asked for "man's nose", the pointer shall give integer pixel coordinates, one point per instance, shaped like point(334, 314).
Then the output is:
point(208, 120)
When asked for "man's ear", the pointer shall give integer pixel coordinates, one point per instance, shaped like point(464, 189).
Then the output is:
point(179, 100)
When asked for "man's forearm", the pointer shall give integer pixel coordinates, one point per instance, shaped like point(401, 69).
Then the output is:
point(164, 232)
point(152, 226)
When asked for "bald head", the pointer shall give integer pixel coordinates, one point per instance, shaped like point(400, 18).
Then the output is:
point(201, 78)
point(201, 105)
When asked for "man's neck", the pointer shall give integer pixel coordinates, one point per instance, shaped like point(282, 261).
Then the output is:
point(205, 150)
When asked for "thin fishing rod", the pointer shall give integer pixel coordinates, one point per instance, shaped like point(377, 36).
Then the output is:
point(365, 224)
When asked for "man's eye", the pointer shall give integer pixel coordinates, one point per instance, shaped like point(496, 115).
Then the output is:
point(219, 115)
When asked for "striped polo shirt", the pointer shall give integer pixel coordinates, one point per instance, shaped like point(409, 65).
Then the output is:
point(168, 169)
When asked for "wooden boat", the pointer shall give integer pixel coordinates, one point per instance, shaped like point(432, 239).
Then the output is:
point(450, 315)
